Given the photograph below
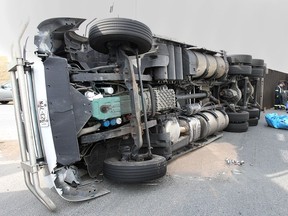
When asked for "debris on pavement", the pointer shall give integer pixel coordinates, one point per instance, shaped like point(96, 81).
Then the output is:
point(236, 172)
point(234, 162)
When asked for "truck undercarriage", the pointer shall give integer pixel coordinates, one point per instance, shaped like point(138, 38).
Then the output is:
point(122, 102)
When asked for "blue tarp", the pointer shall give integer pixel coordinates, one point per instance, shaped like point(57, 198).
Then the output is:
point(277, 121)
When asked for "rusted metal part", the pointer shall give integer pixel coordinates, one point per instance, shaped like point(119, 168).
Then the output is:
point(135, 121)
point(143, 105)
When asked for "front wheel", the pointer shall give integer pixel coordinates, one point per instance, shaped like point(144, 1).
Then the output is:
point(135, 171)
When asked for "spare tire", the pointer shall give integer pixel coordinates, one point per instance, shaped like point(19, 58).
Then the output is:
point(134, 171)
point(120, 31)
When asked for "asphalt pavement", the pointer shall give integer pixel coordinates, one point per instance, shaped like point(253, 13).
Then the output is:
point(8, 129)
point(199, 183)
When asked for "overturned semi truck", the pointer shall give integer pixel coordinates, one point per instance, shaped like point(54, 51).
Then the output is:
point(122, 102)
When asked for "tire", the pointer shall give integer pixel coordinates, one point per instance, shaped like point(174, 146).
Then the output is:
point(237, 127)
point(257, 107)
point(253, 121)
point(134, 171)
point(238, 117)
point(4, 102)
point(242, 59)
point(120, 31)
point(257, 62)
point(253, 112)
point(240, 70)
point(257, 72)
point(264, 70)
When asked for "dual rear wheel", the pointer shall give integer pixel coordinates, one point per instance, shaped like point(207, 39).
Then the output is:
point(240, 121)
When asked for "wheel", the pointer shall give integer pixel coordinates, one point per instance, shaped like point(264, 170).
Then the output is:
point(134, 171)
point(235, 117)
point(253, 121)
point(253, 112)
point(120, 31)
point(257, 72)
point(257, 62)
point(240, 70)
point(257, 107)
point(237, 127)
point(4, 102)
point(242, 59)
